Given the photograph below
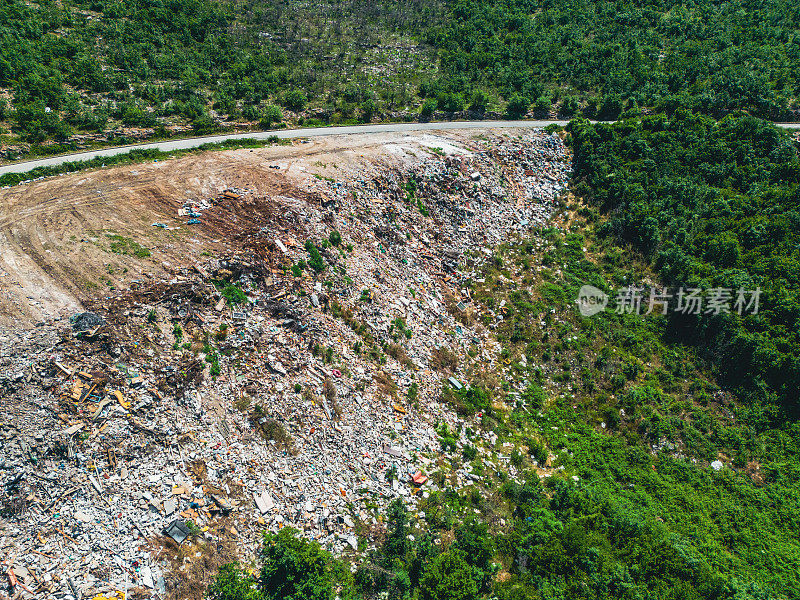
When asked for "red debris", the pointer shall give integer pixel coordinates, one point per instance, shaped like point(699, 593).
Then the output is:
point(419, 478)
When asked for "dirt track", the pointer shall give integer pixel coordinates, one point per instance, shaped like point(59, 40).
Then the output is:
point(55, 249)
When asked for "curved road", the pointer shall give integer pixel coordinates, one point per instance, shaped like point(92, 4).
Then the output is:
point(186, 143)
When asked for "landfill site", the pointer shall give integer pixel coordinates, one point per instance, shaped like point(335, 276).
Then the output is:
point(198, 350)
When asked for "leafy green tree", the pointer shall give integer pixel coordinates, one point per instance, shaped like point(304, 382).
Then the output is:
point(251, 112)
point(272, 114)
point(423, 551)
point(449, 577)
point(517, 106)
point(368, 108)
point(295, 100)
point(353, 93)
point(474, 398)
point(233, 583)
point(294, 568)
point(87, 73)
point(534, 395)
point(60, 130)
point(451, 102)
point(225, 104)
point(724, 249)
point(44, 88)
point(34, 132)
point(474, 539)
point(611, 107)
point(569, 106)
point(204, 124)
point(36, 123)
point(542, 106)
point(684, 196)
point(130, 114)
point(480, 99)
point(399, 585)
point(426, 112)
point(233, 294)
point(397, 543)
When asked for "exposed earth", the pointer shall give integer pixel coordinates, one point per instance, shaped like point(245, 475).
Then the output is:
point(245, 340)
point(55, 249)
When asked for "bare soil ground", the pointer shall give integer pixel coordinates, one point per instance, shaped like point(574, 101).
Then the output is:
point(57, 248)
point(294, 342)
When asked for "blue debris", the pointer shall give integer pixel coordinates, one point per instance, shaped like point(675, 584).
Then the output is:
point(193, 221)
point(455, 383)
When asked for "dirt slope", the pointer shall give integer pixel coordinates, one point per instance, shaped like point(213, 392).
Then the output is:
point(57, 236)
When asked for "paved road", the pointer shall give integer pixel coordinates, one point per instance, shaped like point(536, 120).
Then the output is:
point(184, 144)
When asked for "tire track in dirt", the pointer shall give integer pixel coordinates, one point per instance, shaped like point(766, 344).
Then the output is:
point(53, 232)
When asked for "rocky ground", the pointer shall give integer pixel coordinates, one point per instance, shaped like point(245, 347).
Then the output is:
point(264, 345)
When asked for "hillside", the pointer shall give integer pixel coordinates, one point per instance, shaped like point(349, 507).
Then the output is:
point(355, 312)
point(535, 337)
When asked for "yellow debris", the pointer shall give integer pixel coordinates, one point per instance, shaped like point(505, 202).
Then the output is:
point(121, 399)
point(117, 596)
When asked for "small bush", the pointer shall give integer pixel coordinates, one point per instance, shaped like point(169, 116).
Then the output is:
point(315, 258)
point(469, 453)
point(233, 294)
point(443, 358)
point(295, 100)
point(275, 431)
point(534, 396)
point(469, 400)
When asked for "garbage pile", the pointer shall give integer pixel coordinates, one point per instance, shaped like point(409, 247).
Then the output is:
point(262, 389)
point(194, 208)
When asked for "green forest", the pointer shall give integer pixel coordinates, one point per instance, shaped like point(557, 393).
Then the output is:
point(94, 72)
point(710, 203)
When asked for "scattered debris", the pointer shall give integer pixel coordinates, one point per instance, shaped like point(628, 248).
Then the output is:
point(178, 531)
point(418, 478)
point(267, 386)
point(86, 321)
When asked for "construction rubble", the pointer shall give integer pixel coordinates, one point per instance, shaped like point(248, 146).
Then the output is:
point(251, 391)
